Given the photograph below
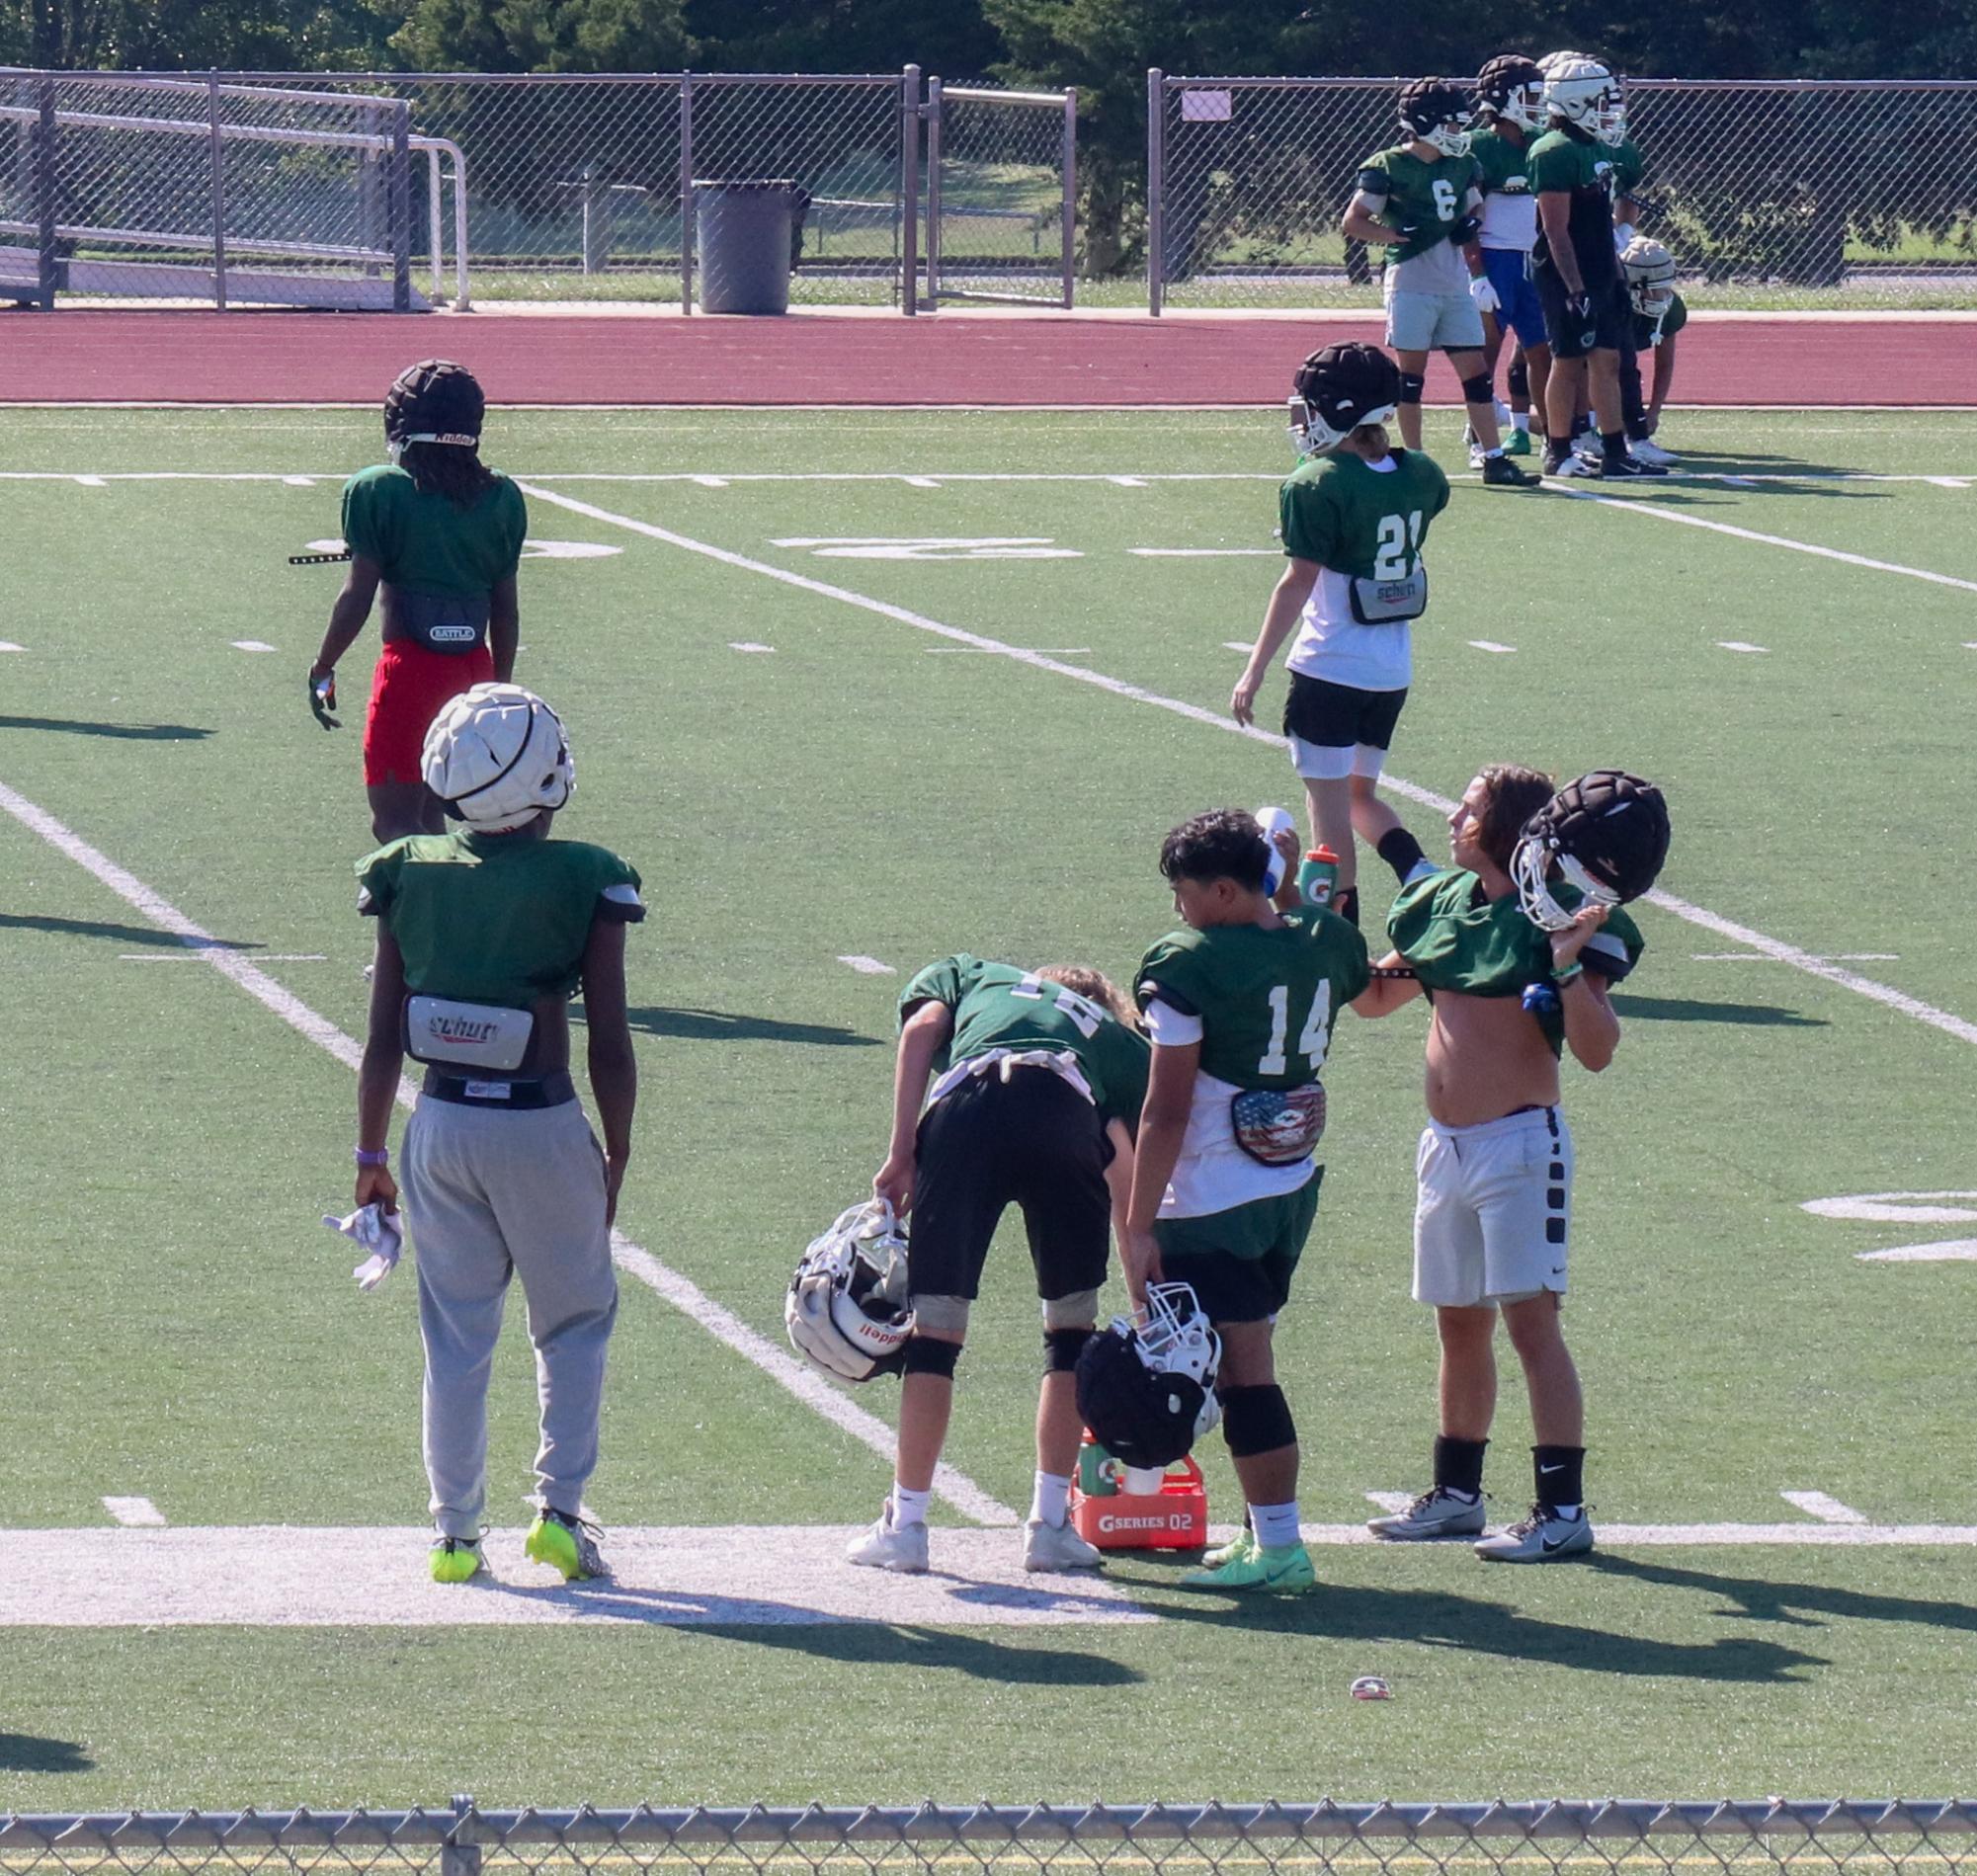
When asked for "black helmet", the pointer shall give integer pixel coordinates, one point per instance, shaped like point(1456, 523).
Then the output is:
point(1605, 834)
point(1511, 87)
point(1338, 389)
point(1439, 110)
point(1146, 1390)
point(435, 401)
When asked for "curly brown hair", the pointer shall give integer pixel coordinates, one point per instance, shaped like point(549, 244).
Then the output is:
point(1095, 987)
point(1511, 795)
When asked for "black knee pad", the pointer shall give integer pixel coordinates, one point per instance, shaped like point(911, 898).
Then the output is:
point(1477, 391)
point(1253, 1419)
point(1412, 383)
point(1520, 376)
point(928, 1354)
point(1062, 1348)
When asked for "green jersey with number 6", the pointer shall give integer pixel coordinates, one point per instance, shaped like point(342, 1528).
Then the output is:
point(1422, 201)
point(1000, 1008)
point(1260, 1002)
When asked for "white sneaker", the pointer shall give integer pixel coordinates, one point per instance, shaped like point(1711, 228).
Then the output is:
point(1646, 449)
point(1539, 1536)
point(1053, 1548)
point(1587, 444)
point(889, 1546)
point(1571, 465)
point(1434, 1515)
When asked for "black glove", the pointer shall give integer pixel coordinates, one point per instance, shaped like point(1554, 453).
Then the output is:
point(1579, 307)
point(322, 698)
point(1464, 230)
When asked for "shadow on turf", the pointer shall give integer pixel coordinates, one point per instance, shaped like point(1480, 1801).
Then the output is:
point(1794, 1604)
point(726, 1025)
point(123, 934)
point(135, 733)
point(1692, 1010)
point(30, 1753)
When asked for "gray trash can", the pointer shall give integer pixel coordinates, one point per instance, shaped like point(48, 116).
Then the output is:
point(746, 232)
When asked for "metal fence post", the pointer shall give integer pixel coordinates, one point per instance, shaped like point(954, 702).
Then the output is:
point(1070, 192)
point(936, 105)
point(688, 227)
point(1156, 158)
point(459, 1854)
point(909, 190)
point(44, 192)
point(399, 206)
point(216, 162)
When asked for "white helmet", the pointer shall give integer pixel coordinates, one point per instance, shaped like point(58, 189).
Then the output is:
point(497, 757)
point(1649, 270)
point(1584, 94)
point(847, 1312)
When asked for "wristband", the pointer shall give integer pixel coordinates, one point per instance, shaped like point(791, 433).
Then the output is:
point(1573, 970)
point(382, 1157)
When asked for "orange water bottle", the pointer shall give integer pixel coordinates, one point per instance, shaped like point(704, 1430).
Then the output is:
point(1317, 876)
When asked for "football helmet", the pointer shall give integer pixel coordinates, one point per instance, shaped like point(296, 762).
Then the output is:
point(1649, 270)
point(496, 757)
point(847, 1312)
point(1147, 1389)
point(1584, 94)
point(1511, 87)
point(1338, 389)
point(434, 401)
point(1437, 111)
point(1605, 834)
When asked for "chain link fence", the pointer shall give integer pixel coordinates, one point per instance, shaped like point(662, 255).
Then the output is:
point(1543, 1838)
point(1781, 193)
point(1001, 183)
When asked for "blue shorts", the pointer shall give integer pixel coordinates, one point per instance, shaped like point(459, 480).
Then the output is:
point(1508, 272)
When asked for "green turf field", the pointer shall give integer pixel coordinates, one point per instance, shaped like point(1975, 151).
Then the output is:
point(180, 1328)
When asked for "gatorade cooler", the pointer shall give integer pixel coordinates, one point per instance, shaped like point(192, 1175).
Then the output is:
point(1104, 1514)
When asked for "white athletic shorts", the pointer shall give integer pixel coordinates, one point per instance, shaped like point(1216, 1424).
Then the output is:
point(1493, 1209)
point(1432, 322)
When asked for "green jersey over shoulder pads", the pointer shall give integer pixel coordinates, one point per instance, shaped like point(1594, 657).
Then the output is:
point(1575, 164)
point(1457, 940)
point(1428, 197)
point(494, 917)
point(1266, 997)
point(1629, 166)
point(1503, 166)
point(426, 544)
point(1341, 512)
point(1000, 1006)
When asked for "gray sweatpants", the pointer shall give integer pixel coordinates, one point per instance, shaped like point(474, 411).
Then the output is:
point(489, 1194)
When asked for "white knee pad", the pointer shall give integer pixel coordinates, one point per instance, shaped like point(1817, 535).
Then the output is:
point(1079, 1310)
point(941, 1316)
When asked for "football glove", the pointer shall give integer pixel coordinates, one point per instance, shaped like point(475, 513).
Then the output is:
point(379, 1233)
point(1464, 230)
point(1484, 295)
point(322, 700)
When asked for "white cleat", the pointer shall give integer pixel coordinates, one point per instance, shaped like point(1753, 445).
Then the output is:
point(1572, 464)
point(1053, 1548)
point(1432, 1515)
point(1587, 444)
point(1646, 449)
point(1539, 1536)
point(901, 1548)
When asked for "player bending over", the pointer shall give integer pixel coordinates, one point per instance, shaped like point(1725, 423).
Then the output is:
point(1239, 1005)
point(1515, 967)
point(1037, 1080)
point(484, 935)
point(1353, 515)
point(441, 534)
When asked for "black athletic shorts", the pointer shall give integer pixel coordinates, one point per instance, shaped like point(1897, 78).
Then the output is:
point(1602, 330)
point(1337, 716)
point(1240, 1261)
point(1031, 1141)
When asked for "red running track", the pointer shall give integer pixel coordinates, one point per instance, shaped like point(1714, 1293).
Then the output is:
point(950, 357)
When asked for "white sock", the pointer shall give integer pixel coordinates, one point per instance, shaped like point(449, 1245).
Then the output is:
point(1520, 420)
point(1497, 452)
point(1050, 1499)
point(1275, 1525)
point(908, 1507)
point(1564, 1510)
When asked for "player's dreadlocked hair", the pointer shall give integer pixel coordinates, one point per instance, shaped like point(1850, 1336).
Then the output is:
point(1224, 844)
point(433, 417)
point(1512, 796)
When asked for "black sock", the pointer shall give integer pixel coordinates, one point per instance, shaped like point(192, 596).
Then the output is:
point(1613, 444)
point(1402, 852)
point(1580, 426)
point(1560, 1474)
point(1346, 905)
point(1458, 1464)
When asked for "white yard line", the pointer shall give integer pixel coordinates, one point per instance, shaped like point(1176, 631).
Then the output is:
point(1944, 1250)
point(1205, 553)
point(1734, 1536)
point(1737, 644)
point(866, 966)
point(748, 644)
point(9, 645)
point(1827, 1509)
point(1490, 644)
point(251, 644)
point(1758, 958)
point(139, 1512)
point(784, 1370)
point(198, 957)
point(1776, 948)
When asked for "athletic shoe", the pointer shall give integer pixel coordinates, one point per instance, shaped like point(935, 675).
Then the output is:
point(1500, 472)
point(1570, 464)
point(1539, 1536)
point(1587, 444)
point(1646, 449)
point(1622, 468)
point(566, 1543)
point(456, 1559)
point(1434, 1515)
point(1240, 1545)
point(1285, 1571)
point(1055, 1547)
point(1518, 444)
point(888, 1546)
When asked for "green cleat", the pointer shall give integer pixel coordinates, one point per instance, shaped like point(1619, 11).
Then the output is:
point(567, 1544)
point(1284, 1570)
point(1240, 1545)
point(456, 1559)
point(1518, 444)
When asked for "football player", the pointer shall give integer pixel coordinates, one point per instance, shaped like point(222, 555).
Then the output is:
point(1239, 1005)
point(1510, 98)
point(1659, 312)
point(1517, 967)
point(1353, 515)
point(1419, 200)
point(440, 535)
point(1575, 264)
point(1037, 1078)
point(484, 935)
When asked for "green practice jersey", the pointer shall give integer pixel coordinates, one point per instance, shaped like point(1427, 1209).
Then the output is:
point(1509, 209)
point(1266, 998)
point(1629, 167)
point(1422, 202)
point(426, 544)
point(999, 1006)
point(1457, 940)
point(494, 917)
point(1359, 521)
point(1569, 160)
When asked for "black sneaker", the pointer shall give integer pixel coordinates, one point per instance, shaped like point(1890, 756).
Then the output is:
point(1619, 468)
point(1500, 472)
